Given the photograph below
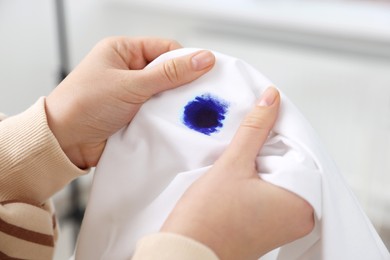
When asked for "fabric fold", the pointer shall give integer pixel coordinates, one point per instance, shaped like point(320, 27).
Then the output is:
point(177, 135)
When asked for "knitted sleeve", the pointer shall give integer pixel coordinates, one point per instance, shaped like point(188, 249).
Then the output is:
point(168, 246)
point(32, 168)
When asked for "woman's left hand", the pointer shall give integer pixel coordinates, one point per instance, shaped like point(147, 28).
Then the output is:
point(107, 88)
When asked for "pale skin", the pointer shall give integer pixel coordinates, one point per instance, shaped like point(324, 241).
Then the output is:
point(229, 209)
point(105, 91)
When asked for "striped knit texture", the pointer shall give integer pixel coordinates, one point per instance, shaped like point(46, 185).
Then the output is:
point(32, 168)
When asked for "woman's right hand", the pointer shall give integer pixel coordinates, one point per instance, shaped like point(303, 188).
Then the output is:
point(231, 209)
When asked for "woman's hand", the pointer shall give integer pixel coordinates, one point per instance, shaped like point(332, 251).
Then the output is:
point(234, 212)
point(107, 88)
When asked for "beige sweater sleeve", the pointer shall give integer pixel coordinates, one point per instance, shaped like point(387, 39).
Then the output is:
point(167, 246)
point(32, 168)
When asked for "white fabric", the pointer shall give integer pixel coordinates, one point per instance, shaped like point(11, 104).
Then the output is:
point(147, 166)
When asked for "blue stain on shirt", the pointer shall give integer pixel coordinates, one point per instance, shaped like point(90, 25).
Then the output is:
point(205, 114)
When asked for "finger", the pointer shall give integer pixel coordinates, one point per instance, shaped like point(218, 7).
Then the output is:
point(136, 53)
point(144, 50)
point(255, 128)
point(154, 47)
point(173, 73)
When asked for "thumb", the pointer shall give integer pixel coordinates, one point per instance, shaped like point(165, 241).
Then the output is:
point(175, 72)
point(255, 128)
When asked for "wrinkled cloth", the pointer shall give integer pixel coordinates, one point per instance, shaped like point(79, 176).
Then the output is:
point(148, 165)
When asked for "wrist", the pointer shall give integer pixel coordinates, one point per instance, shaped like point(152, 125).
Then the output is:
point(32, 154)
point(182, 224)
point(60, 122)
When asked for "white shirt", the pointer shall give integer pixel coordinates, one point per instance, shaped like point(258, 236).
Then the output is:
point(147, 166)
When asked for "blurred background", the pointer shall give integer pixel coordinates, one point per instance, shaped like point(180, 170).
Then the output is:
point(332, 58)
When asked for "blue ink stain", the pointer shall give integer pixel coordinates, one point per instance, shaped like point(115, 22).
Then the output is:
point(205, 114)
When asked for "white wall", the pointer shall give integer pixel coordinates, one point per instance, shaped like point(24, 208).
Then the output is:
point(341, 84)
point(27, 53)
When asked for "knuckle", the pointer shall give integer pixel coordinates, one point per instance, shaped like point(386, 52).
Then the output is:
point(171, 71)
point(173, 44)
point(107, 41)
point(256, 121)
point(116, 42)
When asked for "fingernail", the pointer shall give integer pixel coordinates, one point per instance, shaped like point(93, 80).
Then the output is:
point(268, 97)
point(202, 60)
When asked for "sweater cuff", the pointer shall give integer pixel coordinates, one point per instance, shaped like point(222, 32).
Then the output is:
point(164, 246)
point(32, 164)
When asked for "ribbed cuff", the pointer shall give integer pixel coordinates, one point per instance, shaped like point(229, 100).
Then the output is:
point(164, 246)
point(32, 164)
